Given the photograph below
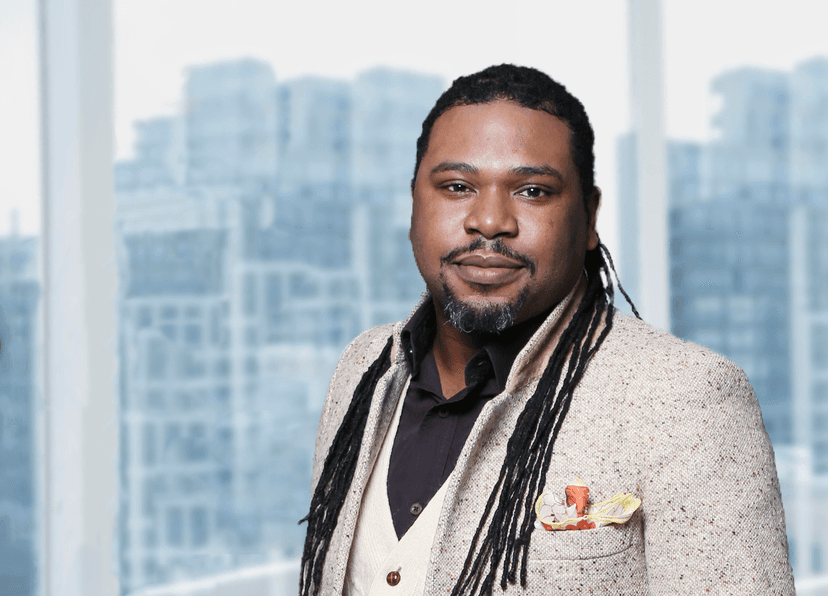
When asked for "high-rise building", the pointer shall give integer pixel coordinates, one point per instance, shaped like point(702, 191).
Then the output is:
point(729, 292)
point(19, 346)
point(244, 273)
point(230, 124)
point(749, 158)
point(807, 226)
point(749, 266)
point(388, 111)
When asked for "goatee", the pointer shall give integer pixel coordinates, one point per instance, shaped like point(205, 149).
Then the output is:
point(481, 317)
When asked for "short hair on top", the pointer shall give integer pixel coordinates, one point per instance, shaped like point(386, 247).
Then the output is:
point(527, 87)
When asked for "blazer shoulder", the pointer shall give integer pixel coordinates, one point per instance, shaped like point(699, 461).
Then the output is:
point(366, 347)
point(660, 358)
point(355, 360)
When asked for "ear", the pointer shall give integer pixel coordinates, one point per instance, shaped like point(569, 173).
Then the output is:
point(593, 204)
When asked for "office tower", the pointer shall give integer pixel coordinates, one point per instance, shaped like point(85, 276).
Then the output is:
point(749, 159)
point(749, 267)
point(389, 107)
point(729, 292)
point(809, 255)
point(242, 279)
point(159, 156)
point(230, 124)
point(19, 303)
point(315, 137)
point(729, 203)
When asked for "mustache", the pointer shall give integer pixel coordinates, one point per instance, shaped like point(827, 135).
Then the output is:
point(496, 246)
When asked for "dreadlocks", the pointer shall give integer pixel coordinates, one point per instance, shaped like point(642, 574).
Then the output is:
point(528, 453)
point(337, 473)
point(501, 540)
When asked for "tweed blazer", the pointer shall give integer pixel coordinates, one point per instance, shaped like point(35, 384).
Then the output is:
point(669, 421)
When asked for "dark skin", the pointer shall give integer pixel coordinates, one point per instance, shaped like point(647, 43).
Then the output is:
point(498, 171)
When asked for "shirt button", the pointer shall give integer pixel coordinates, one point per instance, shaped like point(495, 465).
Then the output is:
point(393, 578)
point(416, 509)
point(442, 412)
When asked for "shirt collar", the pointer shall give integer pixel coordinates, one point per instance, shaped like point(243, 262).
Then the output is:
point(501, 350)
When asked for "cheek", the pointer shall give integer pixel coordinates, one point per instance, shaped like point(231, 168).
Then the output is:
point(431, 228)
point(561, 248)
point(425, 244)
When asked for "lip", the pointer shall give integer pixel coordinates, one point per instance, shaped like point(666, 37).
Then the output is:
point(482, 269)
point(487, 261)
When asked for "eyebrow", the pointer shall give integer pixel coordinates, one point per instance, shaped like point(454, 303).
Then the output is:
point(544, 170)
point(467, 168)
point(454, 166)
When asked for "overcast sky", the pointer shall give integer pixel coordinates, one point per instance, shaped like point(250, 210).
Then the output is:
point(582, 44)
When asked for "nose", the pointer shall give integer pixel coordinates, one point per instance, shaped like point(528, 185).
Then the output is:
point(490, 215)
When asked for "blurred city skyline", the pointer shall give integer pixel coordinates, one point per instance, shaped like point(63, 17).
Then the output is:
point(263, 203)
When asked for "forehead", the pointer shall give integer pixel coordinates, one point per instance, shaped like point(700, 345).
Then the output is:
point(500, 130)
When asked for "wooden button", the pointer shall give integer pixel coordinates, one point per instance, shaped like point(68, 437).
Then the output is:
point(393, 578)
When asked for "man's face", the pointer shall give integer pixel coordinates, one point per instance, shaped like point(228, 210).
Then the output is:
point(498, 219)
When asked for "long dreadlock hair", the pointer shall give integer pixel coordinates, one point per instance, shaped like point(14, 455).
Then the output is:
point(501, 540)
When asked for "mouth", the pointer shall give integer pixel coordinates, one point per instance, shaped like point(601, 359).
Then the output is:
point(487, 264)
point(487, 269)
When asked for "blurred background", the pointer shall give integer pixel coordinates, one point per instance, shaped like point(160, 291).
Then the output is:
point(203, 202)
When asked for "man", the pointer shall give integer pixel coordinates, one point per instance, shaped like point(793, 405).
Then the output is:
point(515, 376)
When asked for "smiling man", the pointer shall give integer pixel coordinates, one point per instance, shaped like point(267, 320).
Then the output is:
point(447, 439)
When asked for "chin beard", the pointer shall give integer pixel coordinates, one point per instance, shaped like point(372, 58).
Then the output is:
point(481, 317)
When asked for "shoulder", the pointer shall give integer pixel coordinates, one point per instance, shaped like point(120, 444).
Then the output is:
point(642, 355)
point(366, 347)
point(636, 340)
point(355, 360)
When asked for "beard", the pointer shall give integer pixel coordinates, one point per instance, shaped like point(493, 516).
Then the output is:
point(481, 317)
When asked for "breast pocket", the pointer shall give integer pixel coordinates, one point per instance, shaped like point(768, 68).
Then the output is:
point(609, 561)
point(583, 544)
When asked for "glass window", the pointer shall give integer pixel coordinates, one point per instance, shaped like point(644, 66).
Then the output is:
point(192, 335)
point(175, 526)
point(250, 297)
point(269, 195)
point(819, 346)
point(149, 444)
point(199, 531)
point(156, 359)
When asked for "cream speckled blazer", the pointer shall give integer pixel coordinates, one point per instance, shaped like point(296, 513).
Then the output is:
point(669, 421)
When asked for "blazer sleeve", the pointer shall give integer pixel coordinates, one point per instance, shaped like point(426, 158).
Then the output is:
point(712, 509)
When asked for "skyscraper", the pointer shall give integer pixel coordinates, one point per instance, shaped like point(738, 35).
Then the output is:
point(19, 302)
point(748, 272)
point(244, 273)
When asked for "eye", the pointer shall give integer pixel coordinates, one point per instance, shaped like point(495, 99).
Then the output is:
point(533, 192)
point(457, 187)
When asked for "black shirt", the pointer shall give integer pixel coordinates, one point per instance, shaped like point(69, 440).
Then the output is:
point(433, 429)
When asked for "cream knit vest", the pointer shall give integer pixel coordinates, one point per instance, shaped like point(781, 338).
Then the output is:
point(376, 552)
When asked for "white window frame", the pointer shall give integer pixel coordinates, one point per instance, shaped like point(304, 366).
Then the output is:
point(78, 428)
